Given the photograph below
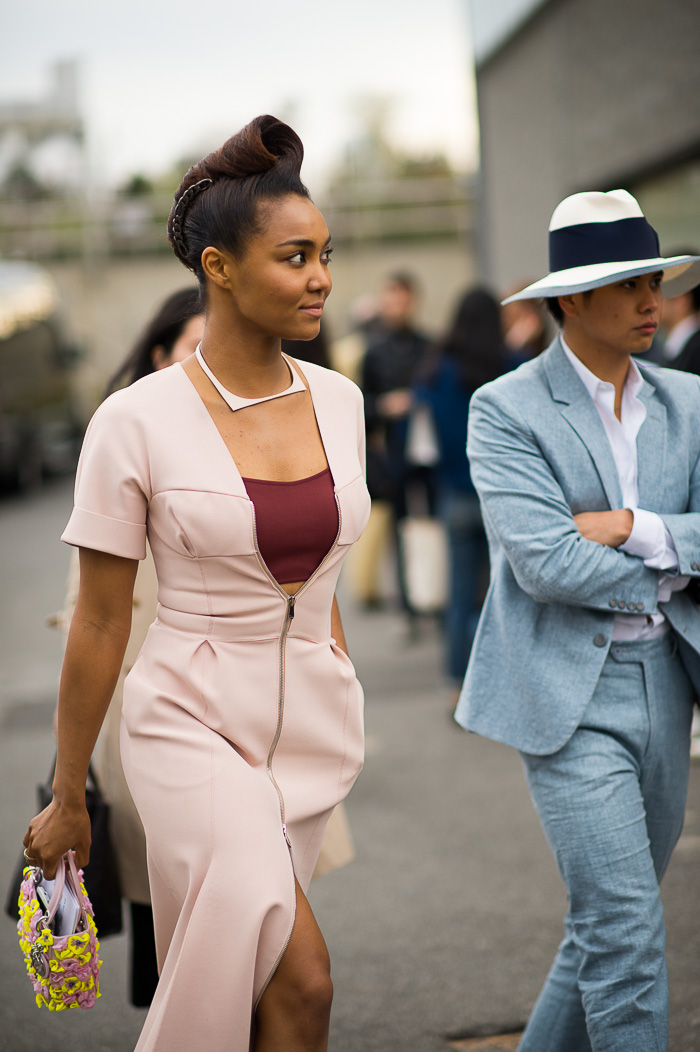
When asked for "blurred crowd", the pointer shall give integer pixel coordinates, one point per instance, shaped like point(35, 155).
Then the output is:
point(425, 545)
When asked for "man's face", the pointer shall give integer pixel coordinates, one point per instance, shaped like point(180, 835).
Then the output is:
point(397, 304)
point(622, 317)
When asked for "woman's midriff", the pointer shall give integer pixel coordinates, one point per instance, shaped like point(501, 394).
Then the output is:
point(292, 589)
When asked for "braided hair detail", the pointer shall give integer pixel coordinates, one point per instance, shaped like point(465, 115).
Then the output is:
point(177, 215)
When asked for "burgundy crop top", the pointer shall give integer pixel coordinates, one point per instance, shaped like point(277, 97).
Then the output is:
point(296, 523)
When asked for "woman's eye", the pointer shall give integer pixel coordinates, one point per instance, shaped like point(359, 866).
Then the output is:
point(326, 257)
point(298, 257)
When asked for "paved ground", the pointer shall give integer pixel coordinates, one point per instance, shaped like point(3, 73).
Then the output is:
point(442, 929)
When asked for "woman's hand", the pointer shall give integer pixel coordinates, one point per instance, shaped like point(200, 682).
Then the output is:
point(395, 404)
point(337, 626)
point(53, 832)
point(605, 527)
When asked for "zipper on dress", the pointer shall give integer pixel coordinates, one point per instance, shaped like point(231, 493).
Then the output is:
point(288, 618)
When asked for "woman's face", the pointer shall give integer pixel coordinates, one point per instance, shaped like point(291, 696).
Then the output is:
point(280, 286)
point(184, 346)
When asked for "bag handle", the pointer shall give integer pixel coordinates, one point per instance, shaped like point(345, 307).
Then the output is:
point(66, 875)
point(60, 881)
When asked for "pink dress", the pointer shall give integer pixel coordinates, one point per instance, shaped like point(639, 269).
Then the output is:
point(242, 719)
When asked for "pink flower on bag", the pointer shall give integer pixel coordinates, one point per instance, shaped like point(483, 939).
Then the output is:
point(64, 970)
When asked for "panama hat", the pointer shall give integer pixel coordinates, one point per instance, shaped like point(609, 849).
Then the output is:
point(598, 238)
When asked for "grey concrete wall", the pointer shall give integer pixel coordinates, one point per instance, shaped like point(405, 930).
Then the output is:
point(590, 94)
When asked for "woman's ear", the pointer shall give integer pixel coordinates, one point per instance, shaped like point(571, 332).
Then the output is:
point(160, 357)
point(215, 266)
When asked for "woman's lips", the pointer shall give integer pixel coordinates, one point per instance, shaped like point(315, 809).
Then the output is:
point(314, 309)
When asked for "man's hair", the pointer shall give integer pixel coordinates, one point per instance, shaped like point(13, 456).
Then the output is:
point(552, 305)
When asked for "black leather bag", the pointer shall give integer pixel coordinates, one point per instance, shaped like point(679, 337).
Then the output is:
point(101, 875)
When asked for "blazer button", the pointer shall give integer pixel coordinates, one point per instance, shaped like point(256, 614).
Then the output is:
point(640, 607)
point(693, 566)
point(631, 606)
point(613, 603)
point(600, 640)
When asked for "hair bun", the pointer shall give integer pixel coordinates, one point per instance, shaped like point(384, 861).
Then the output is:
point(257, 148)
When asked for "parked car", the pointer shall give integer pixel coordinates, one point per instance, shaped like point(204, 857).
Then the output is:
point(40, 425)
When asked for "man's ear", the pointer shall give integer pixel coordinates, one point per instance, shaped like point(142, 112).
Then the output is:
point(568, 305)
point(215, 265)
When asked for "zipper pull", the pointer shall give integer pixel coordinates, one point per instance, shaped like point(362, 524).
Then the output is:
point(290, 602)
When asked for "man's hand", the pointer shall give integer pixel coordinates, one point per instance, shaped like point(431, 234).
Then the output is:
point(605, 527)
point(395, 404)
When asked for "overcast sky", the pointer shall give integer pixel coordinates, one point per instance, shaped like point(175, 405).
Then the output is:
point(162, 78)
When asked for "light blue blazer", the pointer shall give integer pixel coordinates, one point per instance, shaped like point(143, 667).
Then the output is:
point(539, 455)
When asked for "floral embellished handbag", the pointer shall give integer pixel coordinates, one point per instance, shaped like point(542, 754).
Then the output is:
point(64, 968)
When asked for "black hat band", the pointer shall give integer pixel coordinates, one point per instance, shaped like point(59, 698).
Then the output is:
point(623, 241)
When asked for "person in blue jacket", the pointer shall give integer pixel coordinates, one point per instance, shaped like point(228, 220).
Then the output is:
point(470, 354)
point(587, 655)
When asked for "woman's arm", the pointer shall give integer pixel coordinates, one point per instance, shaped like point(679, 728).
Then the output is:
point(97, 639)
point(337, 626)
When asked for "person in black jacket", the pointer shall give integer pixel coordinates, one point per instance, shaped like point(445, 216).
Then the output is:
point(390, 367)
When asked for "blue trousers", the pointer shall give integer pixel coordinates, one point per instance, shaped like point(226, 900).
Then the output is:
point(612, 804)
point(469, 563)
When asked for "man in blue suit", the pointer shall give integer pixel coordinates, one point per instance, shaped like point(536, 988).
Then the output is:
point(587, 655)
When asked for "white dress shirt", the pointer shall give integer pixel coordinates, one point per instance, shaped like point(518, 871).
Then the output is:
point(649, 539)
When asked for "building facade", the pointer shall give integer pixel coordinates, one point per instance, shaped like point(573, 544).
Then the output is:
point(585, 95)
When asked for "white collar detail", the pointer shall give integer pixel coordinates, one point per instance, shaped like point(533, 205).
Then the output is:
point(234, 401)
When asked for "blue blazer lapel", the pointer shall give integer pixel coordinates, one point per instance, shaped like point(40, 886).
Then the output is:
point(651, 449)
point(578, 409)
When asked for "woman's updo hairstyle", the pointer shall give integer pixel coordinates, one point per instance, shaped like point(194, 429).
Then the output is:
point(217, 202)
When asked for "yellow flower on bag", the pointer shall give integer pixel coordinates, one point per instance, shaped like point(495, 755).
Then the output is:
point(63, 969)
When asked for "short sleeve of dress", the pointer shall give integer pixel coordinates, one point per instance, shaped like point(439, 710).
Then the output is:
point(112, 485)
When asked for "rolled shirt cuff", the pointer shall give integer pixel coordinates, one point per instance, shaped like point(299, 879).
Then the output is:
point(650, 540)
point(88, 529)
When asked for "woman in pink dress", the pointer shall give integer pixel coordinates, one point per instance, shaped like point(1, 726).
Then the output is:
point(242, 717)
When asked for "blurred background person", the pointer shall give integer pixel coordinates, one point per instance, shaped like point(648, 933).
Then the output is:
point(525, 326)
point(394, 356)
point(170, 336)
point(681, 350)
point(471, 353)
point(315, 351)
point(681, 326)
point(348, 352)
